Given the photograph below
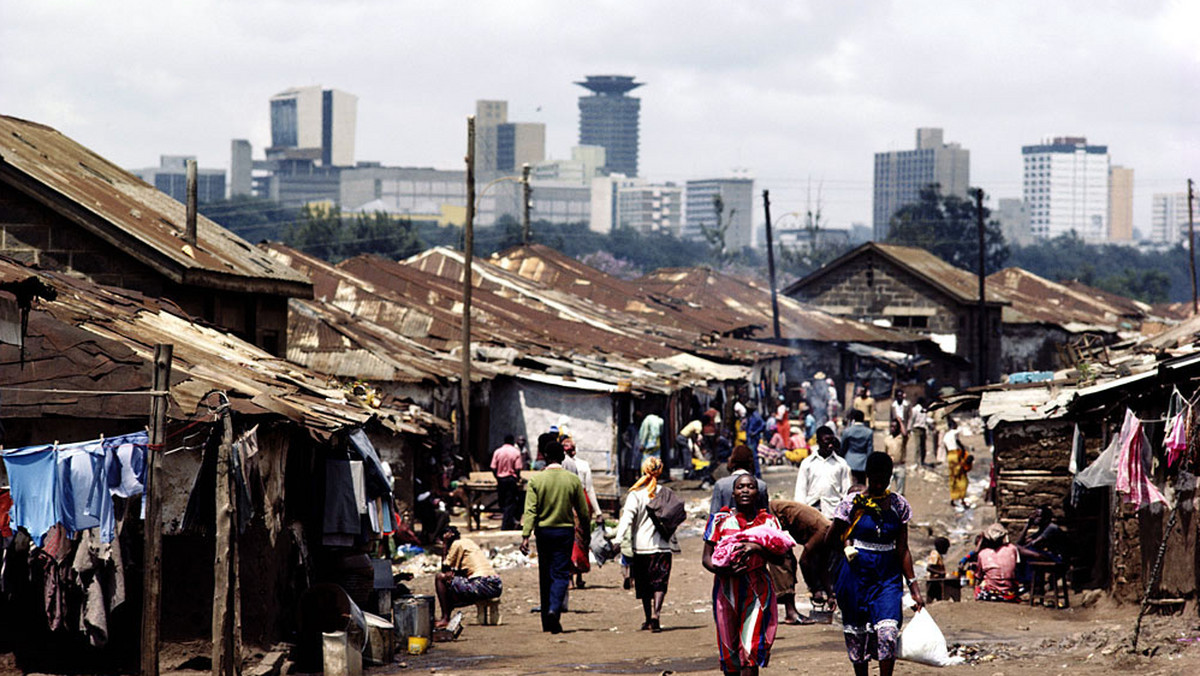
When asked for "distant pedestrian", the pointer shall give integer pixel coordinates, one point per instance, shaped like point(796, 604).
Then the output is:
point(755, 427)
point(894, 446)
point(863, 401)
point(858, 442)
point(824, 477)
point(506, 467)
point(744, 603)
point(650, 436)
point(958, 465)
point(650, 566)
point(554, 501)
point(580, 563)
point(919, 430)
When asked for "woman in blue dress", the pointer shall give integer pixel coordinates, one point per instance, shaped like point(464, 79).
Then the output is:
point(871, 527)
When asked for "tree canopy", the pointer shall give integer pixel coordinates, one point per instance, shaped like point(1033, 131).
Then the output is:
point(946, 226)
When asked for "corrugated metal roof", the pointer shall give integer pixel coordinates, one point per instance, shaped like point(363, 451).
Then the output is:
point(960, 285)
point(1074, 306)
point(98, 338)
point(123, 210)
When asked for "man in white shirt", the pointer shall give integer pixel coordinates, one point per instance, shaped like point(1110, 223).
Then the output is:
point(919, 429)
point(824, 478)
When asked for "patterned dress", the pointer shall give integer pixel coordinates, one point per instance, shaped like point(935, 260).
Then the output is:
point(870, 588)
point(744, 605)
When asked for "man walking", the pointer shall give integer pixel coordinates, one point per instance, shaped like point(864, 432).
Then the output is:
point(554, 499)
point(824, 477)
point(858, 441)
point(506, 467)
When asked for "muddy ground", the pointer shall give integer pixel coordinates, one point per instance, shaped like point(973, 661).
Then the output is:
point(602, 633)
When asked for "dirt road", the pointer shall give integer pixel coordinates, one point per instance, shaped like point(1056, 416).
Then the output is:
point(602, 633)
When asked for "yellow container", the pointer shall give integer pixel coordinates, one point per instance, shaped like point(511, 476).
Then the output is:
point(417, 645)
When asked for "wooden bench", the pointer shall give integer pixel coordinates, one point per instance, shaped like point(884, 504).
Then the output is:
point(482, 496)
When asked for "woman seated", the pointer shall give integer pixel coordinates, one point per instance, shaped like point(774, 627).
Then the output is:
point(998, 559)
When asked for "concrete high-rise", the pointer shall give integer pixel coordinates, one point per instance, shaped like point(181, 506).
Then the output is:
point(1014, 221)
point(609, 118)
point(170, 176)
point(737, 204)
point(308, 123)
point(241, 168)
point(901, 175)
point(504, 146)
point(1066, 188)
point(1120, 204)
point(1169, 218)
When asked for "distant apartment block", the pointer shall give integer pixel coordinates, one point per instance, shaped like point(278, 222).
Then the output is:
point(610, 118)
point(1014, 221)
point(241, 168)
point(900, 175)
point(1169, 218)
point(586, 163)
point(649, 207)
point(1066, 188)
point(558, 202)
point(1120, 204)
point(314, 124)
point(170, 176)
point(737, 203)
point(503, 146)
point(421, 194)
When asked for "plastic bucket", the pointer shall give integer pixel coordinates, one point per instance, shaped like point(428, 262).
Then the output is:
point(417, 645)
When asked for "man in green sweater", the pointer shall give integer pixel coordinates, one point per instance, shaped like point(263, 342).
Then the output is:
point(553, 500)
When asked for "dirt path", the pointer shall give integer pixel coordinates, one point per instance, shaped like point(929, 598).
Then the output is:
point(602, 633)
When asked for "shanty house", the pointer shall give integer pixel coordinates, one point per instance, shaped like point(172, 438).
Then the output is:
point(63, 207)
point(908, 288)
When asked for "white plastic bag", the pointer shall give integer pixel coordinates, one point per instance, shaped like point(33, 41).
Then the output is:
point(922, 642)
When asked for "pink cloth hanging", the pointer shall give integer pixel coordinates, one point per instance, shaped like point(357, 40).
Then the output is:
point(1132, 481)
point(772, 539)
point(1177, 437)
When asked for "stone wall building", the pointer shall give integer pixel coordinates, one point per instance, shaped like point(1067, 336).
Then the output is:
point(62, 207)
point(907, 288)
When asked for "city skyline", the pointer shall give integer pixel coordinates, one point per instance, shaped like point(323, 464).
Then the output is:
point(800, 94)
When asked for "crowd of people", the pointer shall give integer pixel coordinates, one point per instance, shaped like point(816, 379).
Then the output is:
point(847, 513)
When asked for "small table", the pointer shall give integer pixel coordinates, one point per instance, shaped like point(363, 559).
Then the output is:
point(482, 495)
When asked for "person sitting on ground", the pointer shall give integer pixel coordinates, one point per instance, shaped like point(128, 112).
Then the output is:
point(998, 559)
point(808, 527)
point(741, 461)
point(467, 575)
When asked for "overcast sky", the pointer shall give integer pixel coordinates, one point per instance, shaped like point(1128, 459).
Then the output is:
point(800, 93)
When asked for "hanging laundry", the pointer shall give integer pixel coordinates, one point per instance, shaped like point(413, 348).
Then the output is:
point(83, 493)
point(99, 574)
point(1077, 461)
point(1133, 465)
point(342, 520)
point(127, 463)
point(1103, 470)
point(31, 477)
point(6, 513)
point(1176, 442)
point(377, 481)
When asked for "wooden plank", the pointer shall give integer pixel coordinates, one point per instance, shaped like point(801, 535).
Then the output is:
point(152, 558)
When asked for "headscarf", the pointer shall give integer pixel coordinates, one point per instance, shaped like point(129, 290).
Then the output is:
point(652, 468)
point(996, 532)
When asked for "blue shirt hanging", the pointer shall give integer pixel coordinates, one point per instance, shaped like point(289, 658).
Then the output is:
point(31, 477)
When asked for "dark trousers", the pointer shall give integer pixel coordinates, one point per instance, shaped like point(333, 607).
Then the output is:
point(554, 570)
point(506, 492)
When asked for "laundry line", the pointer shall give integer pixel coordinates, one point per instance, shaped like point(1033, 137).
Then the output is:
point(153, 393)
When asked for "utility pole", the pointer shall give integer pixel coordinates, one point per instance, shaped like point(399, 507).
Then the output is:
point(983, 341)
point(771, 263)
point(526, 198)
point(1192, 244)
point(468, 252)
point(152, 554)
point(190, 232)
point(226, 621)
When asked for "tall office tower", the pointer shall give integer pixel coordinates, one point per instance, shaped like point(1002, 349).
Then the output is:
point(609, 118)
point(1066, 188)
point(737, 206)
point(1120, 204)
point(170, 176)
point(314, 124)
point(504, 146)
point(1169, 218)
point(241, 168)
point(1014, 220)
point(900, 175)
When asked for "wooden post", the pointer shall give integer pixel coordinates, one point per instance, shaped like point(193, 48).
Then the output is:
point(190, 234)
point(526, 197)
point(771, 264)
point(1192, 244)
point(468, 253)
point(226, 657)
point(983, 341)
point(152, 554)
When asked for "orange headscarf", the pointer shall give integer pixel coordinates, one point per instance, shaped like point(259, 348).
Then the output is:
point(652, 468)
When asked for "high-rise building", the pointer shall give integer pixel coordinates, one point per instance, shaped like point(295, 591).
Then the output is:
point(901, 175)
point(1169, 218)
point(241, 168)
point(503, 146)
point(586, 163)
point(308, 123)
point(1120, 204)
point(170, 176)
point(649, 207)
point(737, 210)
point(609, 118)
point(1014, 220)
point(1066, 188)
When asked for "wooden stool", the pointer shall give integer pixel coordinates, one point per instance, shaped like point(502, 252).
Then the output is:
point(487, 613)
point(1049, 573)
